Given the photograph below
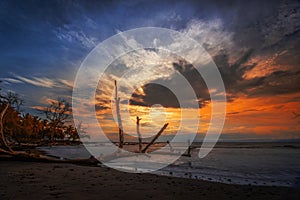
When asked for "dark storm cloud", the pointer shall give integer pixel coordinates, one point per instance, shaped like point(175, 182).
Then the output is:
point(155, 94)
point(271, 29)
point(268, 32)
point(277, 32)
point(275, 29)
point(277, 82)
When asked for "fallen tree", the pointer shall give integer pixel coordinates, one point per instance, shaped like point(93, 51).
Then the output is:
point(33, 157)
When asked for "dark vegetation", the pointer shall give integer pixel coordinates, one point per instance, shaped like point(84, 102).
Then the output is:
point(18, 128)
point(20, 133)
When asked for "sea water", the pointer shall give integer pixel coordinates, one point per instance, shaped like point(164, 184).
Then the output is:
point(272, 164)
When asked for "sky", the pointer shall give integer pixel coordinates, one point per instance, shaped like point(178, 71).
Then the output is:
point(254, 44)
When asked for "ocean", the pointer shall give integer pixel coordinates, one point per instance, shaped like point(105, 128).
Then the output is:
point(269, 164)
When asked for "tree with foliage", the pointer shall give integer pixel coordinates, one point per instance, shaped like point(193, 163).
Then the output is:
point(57, 113)
point(12, 125)
point(9, 117)
point(32, 127)
point(71, 133)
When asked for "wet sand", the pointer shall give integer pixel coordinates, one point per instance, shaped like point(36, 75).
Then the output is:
point(30, 180)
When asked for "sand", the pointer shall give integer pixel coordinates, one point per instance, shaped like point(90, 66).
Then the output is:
point(31, 180)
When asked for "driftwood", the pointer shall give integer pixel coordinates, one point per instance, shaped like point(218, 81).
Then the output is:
point(117, 100)
point(120, 154)
point(138, 133)
point(121, 133)
point(155, 137)
point(187, 153)
point(32, 157)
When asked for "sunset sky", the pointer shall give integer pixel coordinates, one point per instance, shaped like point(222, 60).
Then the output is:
point(254, 44)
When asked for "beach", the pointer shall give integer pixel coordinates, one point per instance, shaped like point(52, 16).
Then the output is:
point(32, 180)
point(261, 164)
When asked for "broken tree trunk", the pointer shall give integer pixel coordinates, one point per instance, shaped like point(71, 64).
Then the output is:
point(155, 137)
point(138, 133)
point(3, 139)
point(117, 99)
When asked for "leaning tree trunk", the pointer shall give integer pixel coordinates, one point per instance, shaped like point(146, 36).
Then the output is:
point(155, 137)
point(3, 139)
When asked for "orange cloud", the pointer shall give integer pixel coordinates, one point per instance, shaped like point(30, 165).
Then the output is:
point(263, 115)
point(265, 65)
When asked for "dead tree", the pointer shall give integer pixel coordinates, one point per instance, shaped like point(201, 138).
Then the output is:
point(155, 137)
point(117, 100)
point(120, 125)
point(138, 133)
